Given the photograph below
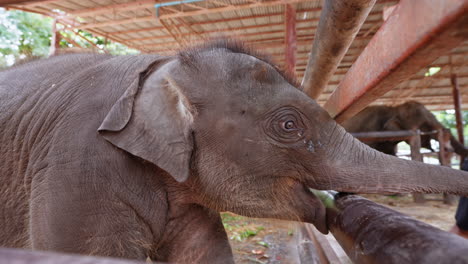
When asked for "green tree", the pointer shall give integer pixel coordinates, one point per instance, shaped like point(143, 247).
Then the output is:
point(27, 35)
point(447, 118)
point(23, 35)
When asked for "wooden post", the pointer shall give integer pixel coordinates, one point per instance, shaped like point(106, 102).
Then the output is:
point(415, 146)
point(290, 41)
point(457, 104)
point(55, 40)
point(444, 158)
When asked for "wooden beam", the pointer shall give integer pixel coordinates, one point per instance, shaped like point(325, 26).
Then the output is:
point(4, 3)
point(113, 8)
point(414, 36)
point(178, 41)
point(457, 105)
point(339, 23)
point(116, 22)
point(55, 40)
point(415, 148)
point(290, 38)
point(444, 159)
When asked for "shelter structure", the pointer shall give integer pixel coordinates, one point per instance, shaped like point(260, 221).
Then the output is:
point(285, 29)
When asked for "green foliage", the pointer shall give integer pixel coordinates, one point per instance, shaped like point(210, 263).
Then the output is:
point(23, 35)
point(263, 243)
point(242, 235)
point(111, 47)
point(27, 35)
point(447, 118)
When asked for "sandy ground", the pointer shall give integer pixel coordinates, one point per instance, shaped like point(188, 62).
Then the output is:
point(273, 241)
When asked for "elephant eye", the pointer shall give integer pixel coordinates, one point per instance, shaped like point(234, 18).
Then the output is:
point(289, 125)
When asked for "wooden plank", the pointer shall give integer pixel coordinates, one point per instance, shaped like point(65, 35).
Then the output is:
point(339, 23)
point(444, 158)
point(415, 147)
point(415, 35)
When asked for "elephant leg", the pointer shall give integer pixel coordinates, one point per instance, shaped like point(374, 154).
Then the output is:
point(196, 236)
point(86, 221)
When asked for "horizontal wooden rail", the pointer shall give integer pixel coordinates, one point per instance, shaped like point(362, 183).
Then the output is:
point(390, 135)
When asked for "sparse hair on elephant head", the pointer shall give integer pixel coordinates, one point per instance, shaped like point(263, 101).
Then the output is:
point(245, 138)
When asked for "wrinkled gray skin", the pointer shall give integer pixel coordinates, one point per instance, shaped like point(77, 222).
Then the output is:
point(407, 116)
point(135, 156)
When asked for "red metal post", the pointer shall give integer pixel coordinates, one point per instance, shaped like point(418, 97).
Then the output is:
point(339, 23)
point(291, 39)
point(457, 104)
point(416, 34)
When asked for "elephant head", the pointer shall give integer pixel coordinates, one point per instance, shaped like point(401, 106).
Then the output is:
point(234, 132)
point(413, 115)
point(408, 116)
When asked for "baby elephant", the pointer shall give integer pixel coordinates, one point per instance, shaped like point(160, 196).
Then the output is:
point(134, 156)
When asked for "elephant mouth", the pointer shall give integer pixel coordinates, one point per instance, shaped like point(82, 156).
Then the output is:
point(314, 209)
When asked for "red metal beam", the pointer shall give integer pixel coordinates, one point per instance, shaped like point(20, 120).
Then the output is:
point(416, 34)
point(290, 38)
point(339, 24)
point(457, 104)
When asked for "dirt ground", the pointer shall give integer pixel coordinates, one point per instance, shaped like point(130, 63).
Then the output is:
point(273, 241)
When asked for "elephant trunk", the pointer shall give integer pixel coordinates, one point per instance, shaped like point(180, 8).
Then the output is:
point(354, 167)
point(458, 147)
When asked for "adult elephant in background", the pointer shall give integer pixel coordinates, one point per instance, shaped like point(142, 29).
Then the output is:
point(135, 156)
point(407, 116)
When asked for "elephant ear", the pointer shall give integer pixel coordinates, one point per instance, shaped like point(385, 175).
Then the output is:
point(153, 121)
